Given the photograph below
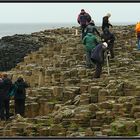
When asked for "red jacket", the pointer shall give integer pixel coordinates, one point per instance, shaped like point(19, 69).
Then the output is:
point(88, 18)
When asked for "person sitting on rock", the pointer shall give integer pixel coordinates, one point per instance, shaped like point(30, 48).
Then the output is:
point(20, 95)
point(105, 22)
point(91, 28)
point(90, 41)
point(97, 56)
point(5, 87)
point(109, 37)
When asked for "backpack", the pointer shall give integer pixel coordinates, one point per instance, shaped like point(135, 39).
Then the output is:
point(137, 28)
point(83, 19)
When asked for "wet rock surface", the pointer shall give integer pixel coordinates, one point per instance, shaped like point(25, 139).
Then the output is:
point(65, 100)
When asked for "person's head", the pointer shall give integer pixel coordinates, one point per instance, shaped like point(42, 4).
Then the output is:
point(20, 79)
point(108, 15)
point(4, 75)
point(82, 11)
point(105, 45)
point(92, 22)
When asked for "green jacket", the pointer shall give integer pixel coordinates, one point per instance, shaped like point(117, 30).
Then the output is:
point(90, 41)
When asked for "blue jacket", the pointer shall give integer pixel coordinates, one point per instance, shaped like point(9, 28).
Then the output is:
point(97, 54)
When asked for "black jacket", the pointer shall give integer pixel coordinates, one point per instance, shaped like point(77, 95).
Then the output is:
point(5, 87)
point(97, 55)
point(91, 29)
point(108, 37)
point(105, 23)
point(20, 90)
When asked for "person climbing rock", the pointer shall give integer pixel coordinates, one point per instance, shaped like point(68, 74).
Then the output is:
point(137, 29)
point(5, 87)
point(91, 28)
point(109, 37)
point(105, 22)
point(83, 19)
point(20, 96)
point(90, 41)
point(97, 56)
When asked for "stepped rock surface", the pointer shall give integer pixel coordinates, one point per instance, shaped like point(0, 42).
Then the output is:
point(64, 99)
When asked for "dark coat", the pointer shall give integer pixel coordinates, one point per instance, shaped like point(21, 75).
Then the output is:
point(5, 87)
point(91, 29)
point(105, 23)
point(20, 91)
point(108, 37)
point(83, 18)
point(97, 55)
point(138, 35)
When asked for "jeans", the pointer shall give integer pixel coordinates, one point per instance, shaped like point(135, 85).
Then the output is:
point(88, 59)
point(4, 109)
point(138, 43)
point(110, 46)
point(83, 31)
point(20, 106)
point(98, 70)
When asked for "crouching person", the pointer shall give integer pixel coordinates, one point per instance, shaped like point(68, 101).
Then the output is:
point(20, 96)
point(97, 56)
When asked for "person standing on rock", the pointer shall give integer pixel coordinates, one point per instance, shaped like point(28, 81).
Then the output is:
point(5, 87)
point(105, 22)
point(137, 29)
point(90, 41)
point(83, 19)
point(109, 37)
point(97, 56)
point(20, 96)
point(91, 28)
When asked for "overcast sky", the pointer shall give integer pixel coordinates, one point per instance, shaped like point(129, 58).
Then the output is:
point(67, 12)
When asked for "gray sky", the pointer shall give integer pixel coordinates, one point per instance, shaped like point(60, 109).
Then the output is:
point(67, 12)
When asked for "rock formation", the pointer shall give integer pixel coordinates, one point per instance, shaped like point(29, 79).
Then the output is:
point(65, 100)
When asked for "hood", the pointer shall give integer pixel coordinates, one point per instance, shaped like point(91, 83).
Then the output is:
point(89, 34)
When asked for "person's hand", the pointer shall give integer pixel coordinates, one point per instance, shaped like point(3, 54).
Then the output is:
point(102, 40)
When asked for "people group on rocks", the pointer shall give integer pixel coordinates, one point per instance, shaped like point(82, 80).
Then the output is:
point(8, 89)
point(96, 43)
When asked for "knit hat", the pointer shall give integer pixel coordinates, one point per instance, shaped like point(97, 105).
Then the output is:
point(82, 10)
point(105, 44)
point(108, 14)
point(92, 21)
